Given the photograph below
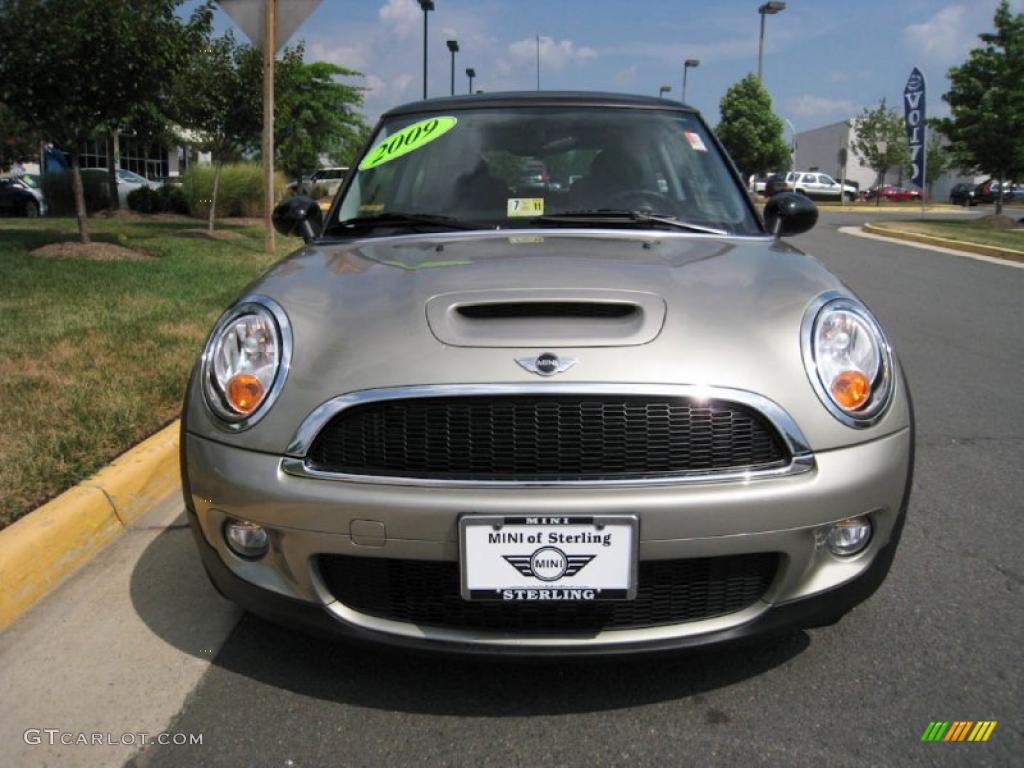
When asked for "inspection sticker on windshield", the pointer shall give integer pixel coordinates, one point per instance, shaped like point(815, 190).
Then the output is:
point(695, 141)
point(407, 140)
point(525, 206)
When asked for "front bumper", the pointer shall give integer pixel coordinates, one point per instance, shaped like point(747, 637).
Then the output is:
point(308, 517)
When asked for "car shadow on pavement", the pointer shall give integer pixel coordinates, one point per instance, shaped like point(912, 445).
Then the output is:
point(166, 593)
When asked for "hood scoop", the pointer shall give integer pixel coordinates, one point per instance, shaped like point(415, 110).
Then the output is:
point(546, 318)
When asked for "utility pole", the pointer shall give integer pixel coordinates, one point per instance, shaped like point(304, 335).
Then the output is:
point(453, 46)
point(766, 9)
point(538, 61)
point(269, 49)
point(686, 67)
point(427, 6)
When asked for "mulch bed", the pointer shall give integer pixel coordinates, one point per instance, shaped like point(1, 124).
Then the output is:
point(217, 234)
point(96, 251)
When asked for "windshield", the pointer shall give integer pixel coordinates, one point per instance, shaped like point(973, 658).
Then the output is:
point(518, 167)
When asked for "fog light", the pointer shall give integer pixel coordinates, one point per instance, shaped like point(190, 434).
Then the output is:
point(850, 536)
point(246, 539)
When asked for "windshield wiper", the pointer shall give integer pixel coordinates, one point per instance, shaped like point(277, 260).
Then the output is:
point(611, 215)
point(400, 218)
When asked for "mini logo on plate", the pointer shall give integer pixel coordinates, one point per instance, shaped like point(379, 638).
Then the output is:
point(548, 563)
point(546, 364)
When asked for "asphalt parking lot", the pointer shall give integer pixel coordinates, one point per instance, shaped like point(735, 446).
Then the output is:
point(939, 641)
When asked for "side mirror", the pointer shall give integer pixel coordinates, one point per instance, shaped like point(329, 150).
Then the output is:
point(788, 213)
point(299, 216)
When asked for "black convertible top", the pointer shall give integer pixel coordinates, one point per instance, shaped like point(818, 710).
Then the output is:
point(538, 99)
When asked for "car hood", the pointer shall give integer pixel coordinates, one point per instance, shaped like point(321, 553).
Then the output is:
point(715, 311)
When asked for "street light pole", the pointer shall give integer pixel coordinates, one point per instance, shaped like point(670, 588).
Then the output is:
point(538, 61)
point(470, 73)
point(663, 90)
point(768, 8)
point(686, 67)
point(427, 6)
point(453, 46)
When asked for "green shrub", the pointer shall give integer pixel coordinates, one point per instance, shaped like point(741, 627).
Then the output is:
point(319, 191)
point(144, 200)
point(172, 199)
point(60, 196)
point(240, 192)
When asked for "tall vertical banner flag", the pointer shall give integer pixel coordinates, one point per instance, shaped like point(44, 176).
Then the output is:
point(913, 106)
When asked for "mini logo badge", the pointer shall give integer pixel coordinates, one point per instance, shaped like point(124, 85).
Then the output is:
point(546, 364)
point(548, 563)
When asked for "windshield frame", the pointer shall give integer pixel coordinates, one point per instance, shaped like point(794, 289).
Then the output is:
point(333, 229)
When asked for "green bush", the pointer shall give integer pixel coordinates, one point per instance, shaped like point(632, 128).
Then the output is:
point(60, 196)
point(169, 198)
point(240, 192)
point(172, 199)
point(144, 200)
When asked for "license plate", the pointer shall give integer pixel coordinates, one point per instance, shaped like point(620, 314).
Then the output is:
point(548, 559)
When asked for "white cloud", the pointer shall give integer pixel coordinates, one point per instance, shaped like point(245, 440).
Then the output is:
point(810, 106)
point(351, 56)
point(946, 36)
point(403, 17)
point(554, 55)
point(626, 76)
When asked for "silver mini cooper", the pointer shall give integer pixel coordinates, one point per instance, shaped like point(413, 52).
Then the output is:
point(542, 381)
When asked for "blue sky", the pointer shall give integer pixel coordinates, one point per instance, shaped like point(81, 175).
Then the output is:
point(824, 59)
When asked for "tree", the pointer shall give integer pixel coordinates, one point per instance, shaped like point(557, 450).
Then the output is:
point(70, 67)
point(986, 100)
point(315, 113)
point(18, 140)
point(749, 129)
point(217, 96)
point(881, 141)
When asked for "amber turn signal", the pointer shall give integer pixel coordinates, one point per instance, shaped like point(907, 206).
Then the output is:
point(850, 389)
point(244, 392)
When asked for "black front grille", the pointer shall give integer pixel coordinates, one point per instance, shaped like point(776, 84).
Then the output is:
point(669, 592)
point(546, 438)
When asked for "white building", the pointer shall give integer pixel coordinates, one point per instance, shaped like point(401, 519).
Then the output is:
point(820, 149)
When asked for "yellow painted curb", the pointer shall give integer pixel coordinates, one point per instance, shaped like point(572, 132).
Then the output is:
point(38, 550)
point(984, 250)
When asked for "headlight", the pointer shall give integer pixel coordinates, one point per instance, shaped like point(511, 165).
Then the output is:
point(245, 361)
point(848, 360)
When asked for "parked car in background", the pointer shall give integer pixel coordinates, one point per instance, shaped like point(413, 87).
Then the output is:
point(328, 178)
point(18, 199)
point(30, 182)
point(609, 418)
point(127, 182)
point(817, 186)
point(892, 193)
point(963, 194)
point(760, 183)
point(988, 191)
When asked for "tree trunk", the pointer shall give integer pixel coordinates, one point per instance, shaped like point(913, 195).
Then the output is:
point(79, 190)
point(999, 197)
point(213, 195)
point(112, 163)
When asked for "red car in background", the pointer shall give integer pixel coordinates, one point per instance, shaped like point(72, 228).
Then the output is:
point(893, 194)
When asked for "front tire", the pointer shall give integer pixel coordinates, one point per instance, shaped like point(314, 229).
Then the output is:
point(32, 210)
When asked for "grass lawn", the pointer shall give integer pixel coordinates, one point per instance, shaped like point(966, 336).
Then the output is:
point(94, 355)
point(971, 231)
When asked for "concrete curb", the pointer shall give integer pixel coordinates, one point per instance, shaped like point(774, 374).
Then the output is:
point(984, 250)
point(40, 549)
